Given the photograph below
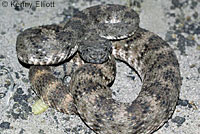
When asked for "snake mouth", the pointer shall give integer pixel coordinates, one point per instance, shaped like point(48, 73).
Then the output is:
point(95, 50)
point(94, 56)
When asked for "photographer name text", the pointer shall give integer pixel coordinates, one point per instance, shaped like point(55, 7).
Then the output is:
point(26, 4)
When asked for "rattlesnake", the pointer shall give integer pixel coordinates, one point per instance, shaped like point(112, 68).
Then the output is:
point(88, 94)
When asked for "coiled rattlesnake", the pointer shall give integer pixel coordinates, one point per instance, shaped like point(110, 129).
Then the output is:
point(88, 93)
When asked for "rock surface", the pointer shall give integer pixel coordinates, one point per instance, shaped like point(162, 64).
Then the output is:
point(178, 22)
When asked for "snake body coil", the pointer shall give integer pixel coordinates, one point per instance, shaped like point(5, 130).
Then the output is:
point(89, 93)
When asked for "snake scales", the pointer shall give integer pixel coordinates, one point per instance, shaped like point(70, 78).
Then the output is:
point(91, 40)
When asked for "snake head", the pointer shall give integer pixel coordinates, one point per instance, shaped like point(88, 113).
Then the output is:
point(95, 50)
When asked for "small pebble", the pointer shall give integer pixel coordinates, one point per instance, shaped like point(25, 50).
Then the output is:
point(41, 131)
point(192, 66)
point(198, 70)
point(183, 102)
point(179, 120)
point(17, 75)
point(20, 91)
point(2, 56)
point(5, 125)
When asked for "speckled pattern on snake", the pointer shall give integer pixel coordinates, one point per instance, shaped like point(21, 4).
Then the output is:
point(88, 93)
